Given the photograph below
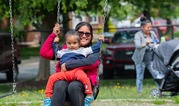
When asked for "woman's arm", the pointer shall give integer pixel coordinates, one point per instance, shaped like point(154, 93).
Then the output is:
point(91, 59)
point(138, 40)
point(46, 50)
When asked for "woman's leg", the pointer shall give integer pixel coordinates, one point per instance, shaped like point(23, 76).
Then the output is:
point(50, 84)
point(140, 68)
point(76, 93)
point(59, 93)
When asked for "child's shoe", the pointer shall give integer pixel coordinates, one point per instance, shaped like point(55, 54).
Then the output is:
point(47, 102)
point(88, 100)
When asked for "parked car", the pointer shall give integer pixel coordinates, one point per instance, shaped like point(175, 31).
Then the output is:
point(6, 63)
point(117, 55)
point(108, 37)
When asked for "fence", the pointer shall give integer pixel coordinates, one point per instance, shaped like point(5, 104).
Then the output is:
point(33, 37)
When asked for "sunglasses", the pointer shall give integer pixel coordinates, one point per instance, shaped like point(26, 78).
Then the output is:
point(87, 34)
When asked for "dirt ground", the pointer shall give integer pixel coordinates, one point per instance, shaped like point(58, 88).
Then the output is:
point(32, 84)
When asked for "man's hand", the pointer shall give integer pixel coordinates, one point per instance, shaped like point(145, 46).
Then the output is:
point(63, 68)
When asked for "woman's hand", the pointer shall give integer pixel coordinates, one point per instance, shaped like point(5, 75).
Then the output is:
point(56, 39)
point(56, 29)
point(101, 37)
point(147, 43)
point(63, 68)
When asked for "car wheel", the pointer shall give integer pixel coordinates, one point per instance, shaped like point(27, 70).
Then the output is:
point(9, 74)
point(108, 74)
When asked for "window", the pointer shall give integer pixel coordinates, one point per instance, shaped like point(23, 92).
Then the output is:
point(93, 19)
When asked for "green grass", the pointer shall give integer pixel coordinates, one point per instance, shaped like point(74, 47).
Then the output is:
point(176, 34)
point(27, 52)
point(109, 89)
point(120, 89)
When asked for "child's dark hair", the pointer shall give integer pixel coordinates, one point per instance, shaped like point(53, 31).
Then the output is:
point(72, 33)
point(144, 20)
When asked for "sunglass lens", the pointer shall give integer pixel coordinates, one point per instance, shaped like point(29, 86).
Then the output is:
point(86, 34)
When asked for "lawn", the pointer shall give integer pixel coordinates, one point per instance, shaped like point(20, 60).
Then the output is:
point(111, 91)
point(27, 52)
point(116, 90)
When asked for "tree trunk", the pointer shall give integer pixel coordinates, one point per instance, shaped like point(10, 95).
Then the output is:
point(146, 11)
point(106, 27)
point(44, 65)
point(147, 14)
point(44, 70)
point(169, 28)
point(65, 22)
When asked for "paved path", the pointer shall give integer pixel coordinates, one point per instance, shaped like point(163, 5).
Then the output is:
point(28, 69)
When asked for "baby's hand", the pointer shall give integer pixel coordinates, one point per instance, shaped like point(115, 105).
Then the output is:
point(56, 39)
point(63, 68)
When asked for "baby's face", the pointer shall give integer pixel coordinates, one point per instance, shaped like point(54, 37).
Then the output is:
point(72, 43)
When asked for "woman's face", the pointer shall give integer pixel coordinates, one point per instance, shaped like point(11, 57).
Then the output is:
point(85, 35)
point(147, 28)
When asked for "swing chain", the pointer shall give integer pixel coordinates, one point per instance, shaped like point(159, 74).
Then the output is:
point(12, 45)
point(100, 66)
point(104, 15)
point(58, 21)
point(58, 11)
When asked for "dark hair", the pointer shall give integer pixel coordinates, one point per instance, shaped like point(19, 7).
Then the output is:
point(72, 33)
point(79, 25)
point(144, 20)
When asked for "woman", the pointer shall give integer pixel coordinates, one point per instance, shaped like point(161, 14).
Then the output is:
point(144, 39)
point(73, 91)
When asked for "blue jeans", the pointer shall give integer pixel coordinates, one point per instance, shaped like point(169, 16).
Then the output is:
point(140, 69)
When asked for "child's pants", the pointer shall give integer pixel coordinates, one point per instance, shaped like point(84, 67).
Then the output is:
point(70, 75)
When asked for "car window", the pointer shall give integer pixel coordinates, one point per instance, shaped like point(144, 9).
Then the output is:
point(124, 36)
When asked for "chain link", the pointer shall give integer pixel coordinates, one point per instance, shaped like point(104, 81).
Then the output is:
point(58, 21)
point(100, 66)
point(104, 15)
point(58, 11)
point(12, 45)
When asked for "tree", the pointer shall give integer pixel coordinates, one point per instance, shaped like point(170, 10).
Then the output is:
point(42, 14)
point(164, 12)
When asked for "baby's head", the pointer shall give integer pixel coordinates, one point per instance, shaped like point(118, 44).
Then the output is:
point(72, 40)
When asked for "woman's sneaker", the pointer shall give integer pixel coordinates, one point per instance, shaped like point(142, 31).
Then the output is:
point(88, 100)
point(47, 102)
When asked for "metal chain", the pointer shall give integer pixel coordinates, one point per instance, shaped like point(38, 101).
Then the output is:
point(104, 15)
point(58, 11)
point(58, 21)
point(100, 66)
point(12, 45)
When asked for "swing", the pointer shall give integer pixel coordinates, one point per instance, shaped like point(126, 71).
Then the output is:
point(100, 66)
point(96, 87)
point(13, 60)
